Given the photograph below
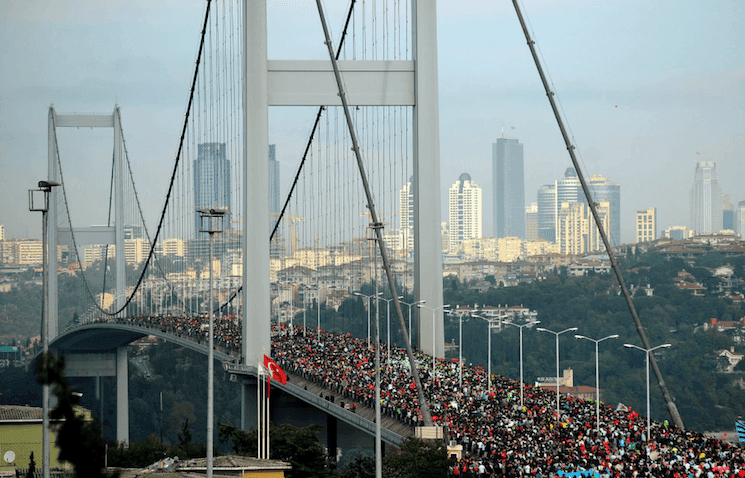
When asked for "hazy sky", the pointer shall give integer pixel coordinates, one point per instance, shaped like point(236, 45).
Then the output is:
point(647, 87)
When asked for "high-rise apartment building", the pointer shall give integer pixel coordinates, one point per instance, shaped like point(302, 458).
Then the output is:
point(445, 237)
point(569, 189)
point(576, 231)
point(728, 213)
point(603, 189)
point(211, 180)
point(508, 179)
point(2, 232)
point(531, 222)
point(274, 206)
point(547, 212)
point(740, 219)
point(464, 208)
point(406, 210)
point(706, 199)
point(646, 225)
point(550, 198)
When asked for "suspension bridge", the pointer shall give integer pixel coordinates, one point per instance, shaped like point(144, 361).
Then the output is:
point(372, 145)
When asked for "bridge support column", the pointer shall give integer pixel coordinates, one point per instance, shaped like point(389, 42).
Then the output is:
point(256, 273)
point(332, 426)
point(122, 395)
point(427, 243)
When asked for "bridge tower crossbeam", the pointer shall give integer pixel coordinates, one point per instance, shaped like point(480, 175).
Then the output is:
point(312, 83)
point(90, 235)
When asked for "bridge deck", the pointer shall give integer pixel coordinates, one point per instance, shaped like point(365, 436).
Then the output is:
point(387, 422)
point(392, 431)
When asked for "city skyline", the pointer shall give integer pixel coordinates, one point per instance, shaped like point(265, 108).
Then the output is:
point(637, 114)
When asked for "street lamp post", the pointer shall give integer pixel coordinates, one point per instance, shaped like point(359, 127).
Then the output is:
point(318, 305)
point(648, 352)
point(434, 328)
point(521, 327)
point(305, 309)
point(388, 307)
point(597, 375)
point(460, 347)
point(410, 306)
point(211, 222)
point(572, 329)
point(489, 323)
point(38, 200)
point(369, 306)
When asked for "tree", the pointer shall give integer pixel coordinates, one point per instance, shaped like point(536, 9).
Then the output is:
point(184, 436)
point(185, 448)
point(360, 466)
point(80, 441)
point(297, 446)
point(417, 458)
point(244, 443)
point(137, 454)
point(31, 466)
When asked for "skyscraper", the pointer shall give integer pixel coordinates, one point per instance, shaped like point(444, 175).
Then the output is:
point(464, 211)
point(576, 231)
point(531, 222)
point(603, 189)
point(740, 219)
point(706, 199)
point(547, 212)
point(211, 180)
point(728, 213)
point(277, 246)
point(550, 198)
point(274, 206)
point(508, 179)
point(569, 189)
point(406, 209)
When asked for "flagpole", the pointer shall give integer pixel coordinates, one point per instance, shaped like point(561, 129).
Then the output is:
point(258, 410)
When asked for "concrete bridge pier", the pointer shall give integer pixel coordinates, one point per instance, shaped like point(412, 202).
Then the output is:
point(122, 395)
point(342, 439)
point(106, 364)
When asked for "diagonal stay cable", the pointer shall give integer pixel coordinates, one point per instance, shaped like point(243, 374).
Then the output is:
point(376, 226)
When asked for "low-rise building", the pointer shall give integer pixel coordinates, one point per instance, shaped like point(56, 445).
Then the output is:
point(732, 358)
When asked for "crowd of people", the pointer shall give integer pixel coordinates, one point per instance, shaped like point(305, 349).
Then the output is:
point(499, 437)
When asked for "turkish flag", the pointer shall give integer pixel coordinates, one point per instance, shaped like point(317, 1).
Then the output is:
point(275, 372)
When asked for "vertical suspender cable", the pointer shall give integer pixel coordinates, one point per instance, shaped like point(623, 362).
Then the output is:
point(423, 405)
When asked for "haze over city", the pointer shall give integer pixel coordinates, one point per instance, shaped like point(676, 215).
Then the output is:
point(647, 88)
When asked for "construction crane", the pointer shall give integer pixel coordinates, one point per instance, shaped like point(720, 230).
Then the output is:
point(294, 242)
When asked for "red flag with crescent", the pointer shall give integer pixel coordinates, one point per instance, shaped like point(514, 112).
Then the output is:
point(275, 372)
